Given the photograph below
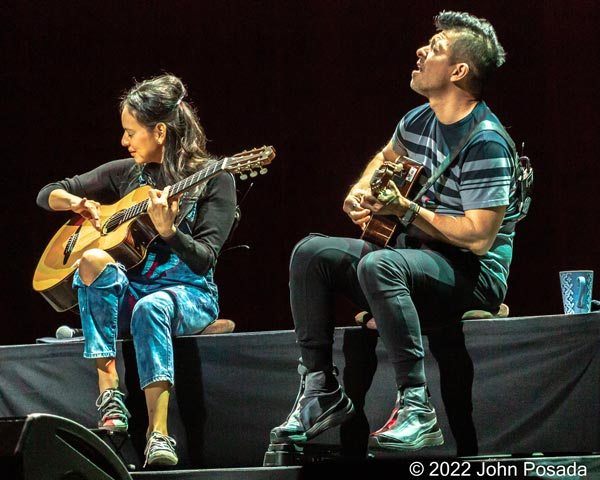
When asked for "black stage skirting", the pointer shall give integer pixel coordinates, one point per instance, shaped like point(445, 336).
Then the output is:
point(536, 389)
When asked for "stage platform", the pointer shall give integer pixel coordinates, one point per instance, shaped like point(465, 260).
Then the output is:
point(535, 394)
point(528, 468)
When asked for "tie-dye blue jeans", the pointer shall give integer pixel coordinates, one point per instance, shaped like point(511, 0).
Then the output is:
point(158, 302)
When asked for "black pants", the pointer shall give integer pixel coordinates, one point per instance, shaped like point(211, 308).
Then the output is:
point(409, 291)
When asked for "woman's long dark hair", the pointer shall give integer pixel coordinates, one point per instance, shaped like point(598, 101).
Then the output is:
point(161, 99)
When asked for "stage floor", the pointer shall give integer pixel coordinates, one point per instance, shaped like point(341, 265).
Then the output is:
point(565, 467)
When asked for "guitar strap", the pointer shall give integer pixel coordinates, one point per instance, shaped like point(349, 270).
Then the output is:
point(523, 170)
point(480, 125)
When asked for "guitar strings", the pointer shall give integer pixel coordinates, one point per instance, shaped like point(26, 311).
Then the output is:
point(127, 214)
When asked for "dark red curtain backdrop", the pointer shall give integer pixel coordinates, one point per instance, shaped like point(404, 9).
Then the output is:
point(324, 82)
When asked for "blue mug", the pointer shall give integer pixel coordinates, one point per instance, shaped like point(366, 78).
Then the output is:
point(576, 288)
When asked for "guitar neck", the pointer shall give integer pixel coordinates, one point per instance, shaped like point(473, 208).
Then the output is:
point(200, 176)
point(182, 186)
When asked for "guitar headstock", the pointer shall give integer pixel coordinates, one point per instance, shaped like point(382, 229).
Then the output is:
point(250, 162)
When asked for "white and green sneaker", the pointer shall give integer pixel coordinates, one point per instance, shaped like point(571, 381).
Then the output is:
point(114, 412)
point(160, 450)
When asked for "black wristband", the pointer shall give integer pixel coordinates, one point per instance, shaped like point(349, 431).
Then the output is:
point(411, 213)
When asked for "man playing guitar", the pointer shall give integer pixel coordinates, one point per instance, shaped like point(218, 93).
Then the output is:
point(451, 253)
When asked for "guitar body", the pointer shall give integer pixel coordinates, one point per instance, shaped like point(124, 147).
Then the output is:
point(380, 229)
point(404, 173)
point(126, 229)
point(127, 244)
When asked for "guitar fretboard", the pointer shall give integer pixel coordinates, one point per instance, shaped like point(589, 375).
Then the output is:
point(140, 208)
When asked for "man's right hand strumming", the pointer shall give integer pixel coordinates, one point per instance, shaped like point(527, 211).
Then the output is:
point(353, 208)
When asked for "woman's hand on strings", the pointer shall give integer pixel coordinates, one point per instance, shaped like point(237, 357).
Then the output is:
point(90, 210)
point(163, 211)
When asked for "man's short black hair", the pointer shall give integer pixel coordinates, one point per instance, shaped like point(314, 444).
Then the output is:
point(474, 42)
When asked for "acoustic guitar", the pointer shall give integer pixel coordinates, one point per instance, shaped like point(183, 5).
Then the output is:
point(126, 229)
point(404, 172)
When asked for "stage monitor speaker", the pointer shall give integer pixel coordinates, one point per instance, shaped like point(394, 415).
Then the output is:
point(48, 447)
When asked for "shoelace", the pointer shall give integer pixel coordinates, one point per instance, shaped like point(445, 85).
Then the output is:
point(158, 441)
point(111, 405)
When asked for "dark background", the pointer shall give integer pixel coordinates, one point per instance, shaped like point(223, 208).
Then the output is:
point(324, 82)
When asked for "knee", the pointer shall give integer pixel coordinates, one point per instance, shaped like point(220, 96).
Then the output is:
point(92, 263)
point(379, 263)
point(306, 250)
point(150, 312)
point(382, 267)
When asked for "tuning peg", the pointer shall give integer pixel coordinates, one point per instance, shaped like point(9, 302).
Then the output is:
point(263, 170)
point(253, 174)
point(243, 176)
